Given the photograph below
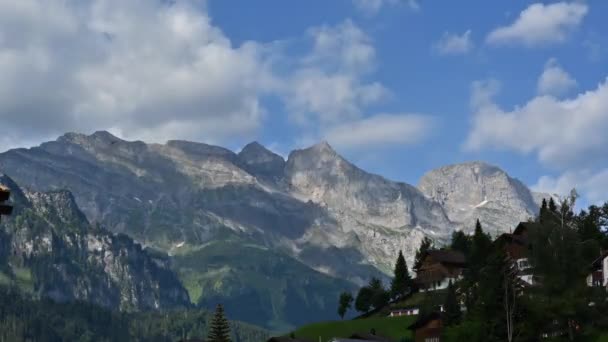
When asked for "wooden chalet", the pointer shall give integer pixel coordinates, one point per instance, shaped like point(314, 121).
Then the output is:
point(406, 311)
point(438, 268)
point(517, 246)
point(598, 274)
point(286, 339)
point(372, 336)
point(427, 328)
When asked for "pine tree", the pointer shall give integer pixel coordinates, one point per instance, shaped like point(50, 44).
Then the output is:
point(380, 297)
point(220, 328)
point(402, 281)
point(543, 210)
point(346, 300)
point(364, 299)
point(425, 246)
point(481, 245)
point(451, 307)
point(552, 206)
point(461, 242)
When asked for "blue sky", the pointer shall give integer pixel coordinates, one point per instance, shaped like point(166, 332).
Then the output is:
point(397, 86)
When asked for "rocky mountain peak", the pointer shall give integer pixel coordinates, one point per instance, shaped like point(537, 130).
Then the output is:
point(261, 162)
point(201, 149)
point(477, 190)
point(254, 153)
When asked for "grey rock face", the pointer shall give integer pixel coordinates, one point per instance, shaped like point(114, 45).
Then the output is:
point(374, 215)
point(316, 206)
point(262, 162)
point(477, 190)
point(67, 259)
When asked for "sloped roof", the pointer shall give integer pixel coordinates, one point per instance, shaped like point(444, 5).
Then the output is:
point(447, 256)
point(286, 339)
point(597, 263)
point(369, 337)
point(423, 320)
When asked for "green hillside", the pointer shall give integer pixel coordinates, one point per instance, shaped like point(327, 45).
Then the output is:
point(258, 285)
point(392, 327)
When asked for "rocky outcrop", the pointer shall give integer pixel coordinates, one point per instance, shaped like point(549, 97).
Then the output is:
point(54, 252)
point(477, 190)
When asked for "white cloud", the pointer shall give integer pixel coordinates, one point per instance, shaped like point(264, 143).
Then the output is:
point(144, 69)
point(328, 86)
point(381, 130)
point(594, 185)
point(554, 80)
point(541, 24)
point(562, 133)
point(454, 44)
point(372, 7)
point(158, 70)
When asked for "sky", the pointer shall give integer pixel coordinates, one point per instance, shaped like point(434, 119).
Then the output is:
point(398, 87)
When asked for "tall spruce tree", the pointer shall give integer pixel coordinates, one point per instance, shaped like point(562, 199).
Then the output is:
point(402, 280)
point(345, 303)
point(364, 299)
point(380, 297)
point(552, 205)
point(425, 246)
point(451, 307)
point(220, 328)
point(481, 246)
point(461, 242)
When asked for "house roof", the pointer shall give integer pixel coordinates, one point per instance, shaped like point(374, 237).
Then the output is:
point(597, 263)
point(286, 339)
point(423, 320)
point(524, 227)
point(369, 337)
point(447, 256)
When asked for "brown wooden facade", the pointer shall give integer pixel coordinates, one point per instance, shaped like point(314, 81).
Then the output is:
point(428, 328)
point(439, 265)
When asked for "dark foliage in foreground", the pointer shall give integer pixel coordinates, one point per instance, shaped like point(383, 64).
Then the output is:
point(23, 319)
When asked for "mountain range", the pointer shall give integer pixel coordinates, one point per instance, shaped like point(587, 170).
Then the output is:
point(275, 240)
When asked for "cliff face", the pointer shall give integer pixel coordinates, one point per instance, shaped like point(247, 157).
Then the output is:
point(53, 251)
point(477, 190)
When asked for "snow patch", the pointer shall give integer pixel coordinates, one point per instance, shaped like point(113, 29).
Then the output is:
point(484, 202)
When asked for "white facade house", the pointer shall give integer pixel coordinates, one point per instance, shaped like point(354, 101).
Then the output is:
point(413, 311)
point(598, 277)
point(524, 270)
point(442, 284)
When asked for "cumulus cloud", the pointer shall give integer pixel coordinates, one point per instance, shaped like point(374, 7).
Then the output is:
point(159, 70)
point(541, 24)
point(554, 80)
point(562, 133)
point(593, 184)
point(454, 44)
point(372, 7)
point(144, 69)
point(381, 130)
point(328, 86)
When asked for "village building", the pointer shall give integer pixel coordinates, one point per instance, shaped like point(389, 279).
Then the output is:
point(598, 275)
point(439, 268)
point(427, 328)
point(407, 311)
point(517, 246)
point(286, 339)
point(371, 336)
